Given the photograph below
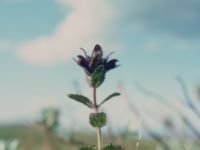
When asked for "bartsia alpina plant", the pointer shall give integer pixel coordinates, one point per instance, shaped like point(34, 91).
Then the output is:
point(95, 63)
point(96, 67)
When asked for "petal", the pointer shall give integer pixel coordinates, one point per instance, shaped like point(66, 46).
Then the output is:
point(111, 64)
point(97, 48)
point(84, 63)
point(95, 62)
point(97, 51)
point(96, 58)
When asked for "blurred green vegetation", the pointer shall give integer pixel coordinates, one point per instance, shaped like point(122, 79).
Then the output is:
point(46, 133)
point(38, 137)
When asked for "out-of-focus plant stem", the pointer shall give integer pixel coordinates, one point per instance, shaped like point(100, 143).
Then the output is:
point(144, 124)
point(99, 138)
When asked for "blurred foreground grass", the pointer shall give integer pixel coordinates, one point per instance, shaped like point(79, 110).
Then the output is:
point(37, 137)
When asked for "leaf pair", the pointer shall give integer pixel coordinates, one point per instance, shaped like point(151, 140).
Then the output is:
point(86, 101)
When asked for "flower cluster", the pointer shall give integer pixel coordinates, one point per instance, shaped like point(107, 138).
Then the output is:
point(90, 63)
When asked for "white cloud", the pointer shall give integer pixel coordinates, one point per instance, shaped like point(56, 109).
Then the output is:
point(84, 27)
point(109, 23)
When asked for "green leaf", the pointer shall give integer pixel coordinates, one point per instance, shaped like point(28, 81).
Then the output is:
point(81, 99)
point(109, 97)
point(98, 76)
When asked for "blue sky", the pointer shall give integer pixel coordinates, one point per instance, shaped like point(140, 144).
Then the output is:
point(155, 42)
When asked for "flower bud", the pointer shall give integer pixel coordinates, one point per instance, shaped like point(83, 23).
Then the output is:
point(97, 51)
point(98, 119)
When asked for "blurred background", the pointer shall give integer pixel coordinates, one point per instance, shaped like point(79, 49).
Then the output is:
point(157, 43)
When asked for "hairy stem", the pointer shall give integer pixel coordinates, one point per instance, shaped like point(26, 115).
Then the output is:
point(95, 100)
point(99, 138)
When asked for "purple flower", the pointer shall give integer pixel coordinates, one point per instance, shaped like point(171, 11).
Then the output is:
point(90, 63)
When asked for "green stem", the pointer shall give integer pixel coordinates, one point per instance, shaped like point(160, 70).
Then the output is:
point(99, 138)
